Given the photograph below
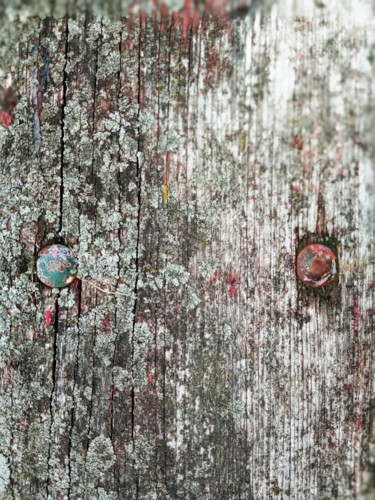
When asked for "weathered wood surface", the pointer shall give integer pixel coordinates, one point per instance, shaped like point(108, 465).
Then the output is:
point(186, 159)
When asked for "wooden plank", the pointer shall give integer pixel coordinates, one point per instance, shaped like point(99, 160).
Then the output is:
point(33, 221)
point(129, 186)
point(187, 159)
point(74, 363)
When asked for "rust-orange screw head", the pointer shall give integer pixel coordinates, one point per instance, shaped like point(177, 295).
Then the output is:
point(316, 265)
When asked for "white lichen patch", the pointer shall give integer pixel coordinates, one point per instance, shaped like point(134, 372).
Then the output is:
point(4, 473)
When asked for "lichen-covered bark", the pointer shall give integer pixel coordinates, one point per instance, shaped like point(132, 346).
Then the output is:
point(186, 159)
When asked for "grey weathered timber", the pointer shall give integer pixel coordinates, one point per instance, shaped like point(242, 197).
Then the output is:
point(186, 152)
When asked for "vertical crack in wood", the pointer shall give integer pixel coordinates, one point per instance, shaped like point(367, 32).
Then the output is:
point(164, 281)
point(92, 392)
point(72, 413)
point(95, 193)
point(54, 365)
point(35, 102)
point(139, 194)
point(63, 104)
point(11, 460)
point(155, 333)
point(185, 342)
point(119, 201)
point(61, 200)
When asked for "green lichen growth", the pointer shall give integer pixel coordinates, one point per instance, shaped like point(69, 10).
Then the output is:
point(100, 460)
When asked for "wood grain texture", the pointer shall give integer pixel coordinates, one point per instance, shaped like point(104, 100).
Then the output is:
point(186, 159)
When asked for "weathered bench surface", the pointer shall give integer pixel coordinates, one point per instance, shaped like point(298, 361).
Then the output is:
point(186, 157)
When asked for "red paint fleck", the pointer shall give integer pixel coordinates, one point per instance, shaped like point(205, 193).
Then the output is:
point(108, 86)
point(212, 63)
point(167, 161)
point(347, 388)
point(106, 323)
point(296, 188)
point(195, 21)
point(38, 98)
point(129, 43)
point(178, 309)
point(298, 143)
point(186, 19)
point(142, 18)
point(35, 335)
point(214, 277)
point(232, 278)
point(149, 376)
point(75, 284)
point(355, 316)
point(105, 105)
point(331, 444)
point(163, 17)
point(5, 119)
point(232, 290)
point(48, 317)
point(358, 423)
point(179, 165)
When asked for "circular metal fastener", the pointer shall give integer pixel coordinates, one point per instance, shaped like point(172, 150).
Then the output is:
point(316, 265)
point(56, 266)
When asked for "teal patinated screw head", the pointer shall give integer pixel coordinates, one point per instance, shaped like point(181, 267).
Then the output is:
point(56, 266)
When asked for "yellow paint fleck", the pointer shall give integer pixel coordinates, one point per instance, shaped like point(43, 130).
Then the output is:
point(243, 140)
point(84, 453)
point(165, 192)
point(153, 270)
point(21, 475)
point(204, 243)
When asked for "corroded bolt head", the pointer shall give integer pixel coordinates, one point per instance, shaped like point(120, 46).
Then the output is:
point(56, 266)
point(316, 265)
